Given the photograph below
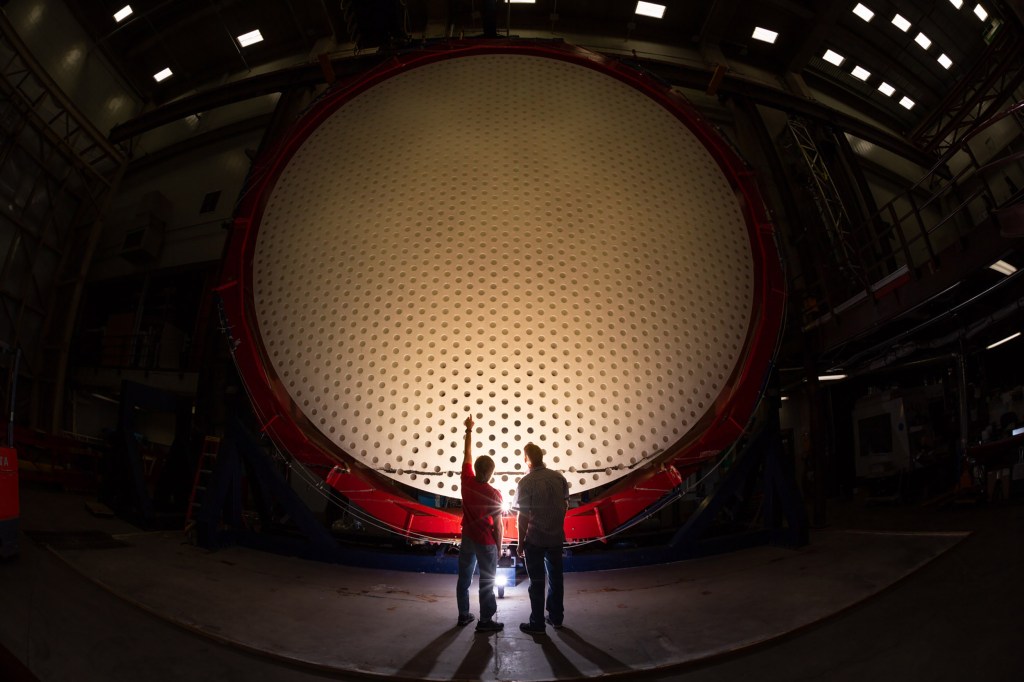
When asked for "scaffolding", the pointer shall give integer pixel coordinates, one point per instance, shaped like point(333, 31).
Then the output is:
point(58, 174)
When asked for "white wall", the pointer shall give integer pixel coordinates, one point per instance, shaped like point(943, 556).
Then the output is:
point(191, 236)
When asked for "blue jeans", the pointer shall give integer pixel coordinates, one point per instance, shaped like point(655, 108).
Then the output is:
point(541, 560)
point(470, 555)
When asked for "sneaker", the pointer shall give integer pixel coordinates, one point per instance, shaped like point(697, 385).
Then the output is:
point(557, 626)
point(532, 628)
point(466, 619)
point(489, 626)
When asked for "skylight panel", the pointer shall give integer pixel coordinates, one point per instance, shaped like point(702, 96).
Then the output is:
point(886, 89)
point(902, 24)
point(923, 40)
point(863, 12)
point(833, 58)
point(861, 73)
point(980, 12)
point(764, 34)
point(123, 13)
point(945, 61)
point(907, 103)
point(162, 75)
point(957, 3)
point(250, 38)
point(650, 9)
point(1003, 268)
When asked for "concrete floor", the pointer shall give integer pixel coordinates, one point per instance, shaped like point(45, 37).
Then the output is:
point(941, 600)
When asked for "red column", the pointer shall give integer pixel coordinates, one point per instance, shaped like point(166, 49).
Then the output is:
point(8, 501)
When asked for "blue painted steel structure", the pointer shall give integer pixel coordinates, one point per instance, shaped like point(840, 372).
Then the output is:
point(759, 472)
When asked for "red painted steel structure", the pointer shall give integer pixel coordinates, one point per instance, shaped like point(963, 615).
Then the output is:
point(9, 503)
point(381, 497)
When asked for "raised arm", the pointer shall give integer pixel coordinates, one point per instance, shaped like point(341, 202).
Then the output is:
point(468, 456)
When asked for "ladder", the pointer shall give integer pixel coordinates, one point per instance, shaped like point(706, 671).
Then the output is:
point(204, 469)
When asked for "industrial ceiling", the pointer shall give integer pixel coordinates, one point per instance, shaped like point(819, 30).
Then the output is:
point(198, 40)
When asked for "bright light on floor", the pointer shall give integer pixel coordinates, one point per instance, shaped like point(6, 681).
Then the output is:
point(764, 34)
point(162, 75)
point(500, 580)
point(1011, 337)
point(123, 13)
point(650, 9)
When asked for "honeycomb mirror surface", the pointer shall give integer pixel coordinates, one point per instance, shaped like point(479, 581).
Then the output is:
point(520, 238)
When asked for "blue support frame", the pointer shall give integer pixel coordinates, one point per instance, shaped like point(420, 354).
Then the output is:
point(124, 488)
point(759, 466)
point(784, 519)
point(9, 538)
point(219, 521)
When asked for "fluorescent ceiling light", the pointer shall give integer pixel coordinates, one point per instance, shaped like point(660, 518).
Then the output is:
point(764, 34)
point(945, 61)
point(161, 75)
point(833, 57)
point(831, 377)
point(907, 103)
point(1011, 337)
point(250, 38)
point(863, 12)
point(980, 12)
point(901, 23)
point(1003, 268)
point(861, 73)
point(522, 2)
point(650, 9)
point(123, 13)
point(923, 40)
point(886, 89)
point(957, 3)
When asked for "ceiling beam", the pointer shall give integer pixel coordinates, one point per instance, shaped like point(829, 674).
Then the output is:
point(814, 38)
point(697, 78)
point(682, 75)
point(304, 75)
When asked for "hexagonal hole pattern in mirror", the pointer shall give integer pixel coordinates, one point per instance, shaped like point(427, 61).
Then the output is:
point(519, 238)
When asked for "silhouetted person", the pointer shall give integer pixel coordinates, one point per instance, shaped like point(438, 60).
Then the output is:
point(542, 500)
point(481, 537)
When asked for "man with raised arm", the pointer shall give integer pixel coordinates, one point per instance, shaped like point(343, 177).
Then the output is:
point(481, 537)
